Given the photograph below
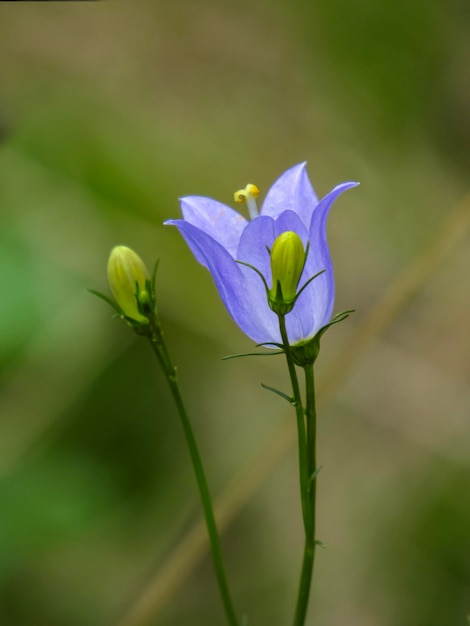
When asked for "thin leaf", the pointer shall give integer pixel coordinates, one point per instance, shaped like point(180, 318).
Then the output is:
point(289, 399)
point(236, 356)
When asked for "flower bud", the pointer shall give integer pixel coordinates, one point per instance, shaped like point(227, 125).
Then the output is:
point(287, 264)
point(127, 277)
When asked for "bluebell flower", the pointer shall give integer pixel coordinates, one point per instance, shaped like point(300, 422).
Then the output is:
point(230, 246)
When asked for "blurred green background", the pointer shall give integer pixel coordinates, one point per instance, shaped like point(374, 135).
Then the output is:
point(108, 113)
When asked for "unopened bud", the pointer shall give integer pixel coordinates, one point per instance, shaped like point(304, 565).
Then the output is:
point(287, 264)
point(127, 277)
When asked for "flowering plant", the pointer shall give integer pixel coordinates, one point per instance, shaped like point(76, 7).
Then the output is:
point(275, 276)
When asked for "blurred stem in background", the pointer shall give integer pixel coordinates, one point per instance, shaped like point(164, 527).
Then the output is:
point(136, 303)
point(159, 347)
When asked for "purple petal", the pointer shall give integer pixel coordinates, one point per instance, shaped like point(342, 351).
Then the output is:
point(216, 219)
point(291, 192)
point(291, 221)
point(260, 234)
point(239, 287)
point(317, 301)
point(264, 321)
point(256, 238)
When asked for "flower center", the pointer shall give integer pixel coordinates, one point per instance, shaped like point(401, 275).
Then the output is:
point(248, 195)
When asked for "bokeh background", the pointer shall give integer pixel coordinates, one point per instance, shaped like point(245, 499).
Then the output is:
point(108, 113)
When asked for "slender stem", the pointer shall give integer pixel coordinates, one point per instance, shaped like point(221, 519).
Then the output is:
point(306, 427)
point(311, 422)
point(161, 351)
point(302, 438)
point(310, 543)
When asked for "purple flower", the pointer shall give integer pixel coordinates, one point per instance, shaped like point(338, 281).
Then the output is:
point(219, 237)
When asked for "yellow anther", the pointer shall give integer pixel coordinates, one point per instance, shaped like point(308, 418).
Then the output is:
point(240, 195)
point(248, 195)
point(250, 191)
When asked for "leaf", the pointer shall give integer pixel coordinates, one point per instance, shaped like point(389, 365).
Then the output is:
point(237, 356)
point(289, 399)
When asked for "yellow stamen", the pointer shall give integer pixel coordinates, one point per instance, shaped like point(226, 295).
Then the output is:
point(248, 195)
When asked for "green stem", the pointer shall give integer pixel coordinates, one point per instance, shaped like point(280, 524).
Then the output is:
point(305, 582)
point(306, 428)
point(311, 421)
point(310, 543)
point(162, 354)
point(302, 438)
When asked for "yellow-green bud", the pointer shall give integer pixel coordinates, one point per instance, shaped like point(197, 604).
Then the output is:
point(287, 264)
point(127, 276)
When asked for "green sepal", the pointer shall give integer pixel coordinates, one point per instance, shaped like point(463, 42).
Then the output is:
point(139, 327)
point(236, 356)
point(145, 297)
point(306, 353)
point(154, 278)
point(289, 399)
point(111, 303)
point(308, 283)
point(255, 269)
point(281, 307)
point(270, 343)
point(339, 317)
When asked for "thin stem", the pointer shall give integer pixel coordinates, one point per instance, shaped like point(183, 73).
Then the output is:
point(306, 429)
point(310, 543)
point(311, 422)
point(302, 439)
point(162, 354)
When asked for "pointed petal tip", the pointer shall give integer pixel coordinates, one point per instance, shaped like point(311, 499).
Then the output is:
point(344, 186)
point(298, 166)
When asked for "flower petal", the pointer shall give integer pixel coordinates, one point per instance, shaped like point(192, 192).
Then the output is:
point(257, 237)
point(239, 287)
point(301, 320)
point(292, 191)
point(216, 219)
point(319, 296)
point(264, 322)
point(291, 221)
